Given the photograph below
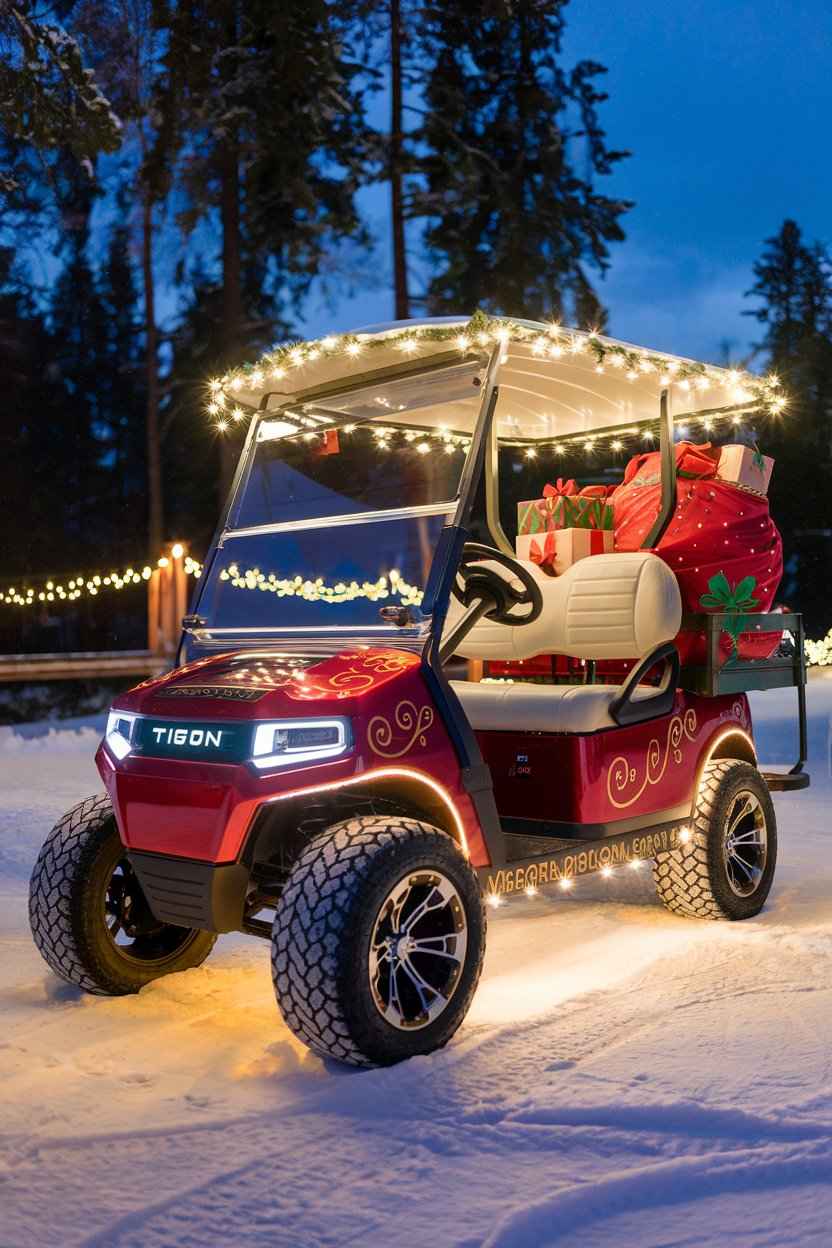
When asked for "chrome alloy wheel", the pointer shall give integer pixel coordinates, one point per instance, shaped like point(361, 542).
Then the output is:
point(745, 846)
point(417, 950)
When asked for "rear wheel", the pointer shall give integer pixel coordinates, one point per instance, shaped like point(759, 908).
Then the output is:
point(378, 941)
point(89, 916)
point(726, 867)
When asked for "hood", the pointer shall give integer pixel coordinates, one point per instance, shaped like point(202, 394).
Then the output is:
point(268, 684)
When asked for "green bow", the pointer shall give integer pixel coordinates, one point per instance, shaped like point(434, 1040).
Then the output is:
point(733, 602)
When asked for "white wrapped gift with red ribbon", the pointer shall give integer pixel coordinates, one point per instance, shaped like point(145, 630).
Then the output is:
point(558, 549)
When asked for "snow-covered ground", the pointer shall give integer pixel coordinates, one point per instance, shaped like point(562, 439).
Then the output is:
point(624, 1077)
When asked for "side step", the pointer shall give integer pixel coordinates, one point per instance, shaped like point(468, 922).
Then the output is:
point(786, 781)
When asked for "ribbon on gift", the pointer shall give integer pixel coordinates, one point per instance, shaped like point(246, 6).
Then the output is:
point(693, 460)
point(696, 459)
point(561, 489)
point(544, 555)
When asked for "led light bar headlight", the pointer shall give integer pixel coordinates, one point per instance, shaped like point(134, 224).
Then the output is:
point(119, 734)
point(289, 742)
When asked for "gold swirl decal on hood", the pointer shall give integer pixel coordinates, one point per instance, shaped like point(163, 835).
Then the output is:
point(622, 774)
point(411, 722)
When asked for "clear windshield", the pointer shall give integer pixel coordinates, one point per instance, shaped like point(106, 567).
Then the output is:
point(341, 505)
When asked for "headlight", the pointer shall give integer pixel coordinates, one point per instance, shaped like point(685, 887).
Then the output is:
point(119, 734)
point(291, 741)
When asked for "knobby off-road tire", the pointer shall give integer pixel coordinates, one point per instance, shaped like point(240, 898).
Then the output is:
point(79, 883)
point(726, 868)
point(373, 902)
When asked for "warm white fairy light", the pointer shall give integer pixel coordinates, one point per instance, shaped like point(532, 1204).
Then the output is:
point(567, 882)
point(483, 331)
point(391, 585)
point(819, 653)
point(89, 584)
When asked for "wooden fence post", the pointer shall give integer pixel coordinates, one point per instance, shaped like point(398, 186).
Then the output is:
point(167, 601)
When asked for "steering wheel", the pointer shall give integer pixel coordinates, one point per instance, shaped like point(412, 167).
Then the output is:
point(475, 581)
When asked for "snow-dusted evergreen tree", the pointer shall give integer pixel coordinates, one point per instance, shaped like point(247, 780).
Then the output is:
point(512, 149)
point(50, 100)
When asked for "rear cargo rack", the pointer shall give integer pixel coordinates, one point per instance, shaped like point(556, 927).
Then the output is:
point(785, 669)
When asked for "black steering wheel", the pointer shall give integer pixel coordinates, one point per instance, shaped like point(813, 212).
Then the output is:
point(475, 582)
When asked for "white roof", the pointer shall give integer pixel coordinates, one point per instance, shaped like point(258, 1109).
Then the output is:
point(554, 382)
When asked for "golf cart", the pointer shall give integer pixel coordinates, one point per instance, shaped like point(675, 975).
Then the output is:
point(418, 678)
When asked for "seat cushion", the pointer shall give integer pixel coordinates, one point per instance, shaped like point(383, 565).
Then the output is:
point(614, 606)
point(504, 707)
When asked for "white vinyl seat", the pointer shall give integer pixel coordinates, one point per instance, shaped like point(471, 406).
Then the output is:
point(615, 606)
point(504, 707)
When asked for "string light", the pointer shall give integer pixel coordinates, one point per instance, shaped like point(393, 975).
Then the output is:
point(483, 330)
point(392, 584)
point(819, 653)
point(70, 590)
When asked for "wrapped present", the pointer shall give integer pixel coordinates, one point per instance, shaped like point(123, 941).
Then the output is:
point(560, 508)
point(745, 466)
point(557, 549)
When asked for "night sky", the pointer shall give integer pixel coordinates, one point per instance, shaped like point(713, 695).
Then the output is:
point(726, 108)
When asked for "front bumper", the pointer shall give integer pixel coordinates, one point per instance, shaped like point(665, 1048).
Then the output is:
point(195, 810)
point(186, 893)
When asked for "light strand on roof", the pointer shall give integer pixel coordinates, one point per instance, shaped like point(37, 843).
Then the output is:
point(484, 331)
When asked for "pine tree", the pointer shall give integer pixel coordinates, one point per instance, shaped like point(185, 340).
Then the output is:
point(124, 47)
point(793, 289)
point(78, 352)
point(121, 386)
point(49, 98)
point(263, 133)
point(513, 225)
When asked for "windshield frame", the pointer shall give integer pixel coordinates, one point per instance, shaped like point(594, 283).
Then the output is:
point(200, 637)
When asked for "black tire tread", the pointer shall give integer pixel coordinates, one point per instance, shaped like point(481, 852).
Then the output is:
point(61, 859)
point(682, 876)
point(310, 921)
point(59, 927)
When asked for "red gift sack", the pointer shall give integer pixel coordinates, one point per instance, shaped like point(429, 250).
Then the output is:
point(721, 542)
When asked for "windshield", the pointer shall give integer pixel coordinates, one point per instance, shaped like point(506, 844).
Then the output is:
point(340, 507)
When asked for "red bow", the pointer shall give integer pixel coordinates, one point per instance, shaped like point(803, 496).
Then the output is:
point(543, 556)
point(561, 489)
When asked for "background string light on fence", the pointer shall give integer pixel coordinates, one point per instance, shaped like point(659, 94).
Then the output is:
point(69, 589)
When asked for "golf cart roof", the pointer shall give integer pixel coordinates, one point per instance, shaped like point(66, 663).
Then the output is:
point(555, 383)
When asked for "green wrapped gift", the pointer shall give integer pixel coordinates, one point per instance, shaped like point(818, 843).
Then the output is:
point(540, 515)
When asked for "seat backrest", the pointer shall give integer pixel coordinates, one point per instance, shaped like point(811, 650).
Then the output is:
point(616, 606)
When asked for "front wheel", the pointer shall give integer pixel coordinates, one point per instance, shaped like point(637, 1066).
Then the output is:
point(378, 941)
point(88, 914)
point(726, 867)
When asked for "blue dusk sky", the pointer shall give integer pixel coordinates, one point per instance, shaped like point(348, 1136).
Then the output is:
point(726, 108)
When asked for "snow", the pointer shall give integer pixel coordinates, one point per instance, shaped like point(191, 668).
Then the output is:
point(624, 1077)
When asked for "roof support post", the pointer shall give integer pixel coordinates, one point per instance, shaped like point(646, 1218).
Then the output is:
point(668, 469)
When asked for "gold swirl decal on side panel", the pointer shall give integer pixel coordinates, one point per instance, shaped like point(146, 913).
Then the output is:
point(409, 721)
point(622, 774)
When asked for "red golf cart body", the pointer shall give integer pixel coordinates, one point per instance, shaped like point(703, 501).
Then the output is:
point(327, 605)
